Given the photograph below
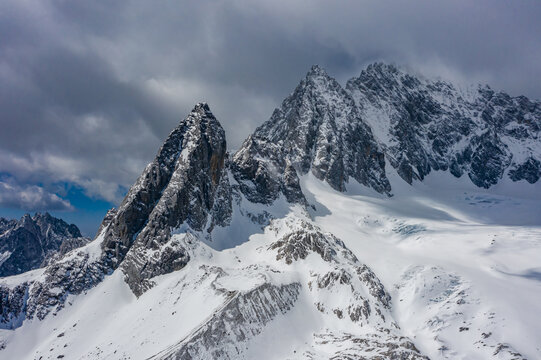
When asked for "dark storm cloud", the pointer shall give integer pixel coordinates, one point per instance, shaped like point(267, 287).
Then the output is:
point(88, 90)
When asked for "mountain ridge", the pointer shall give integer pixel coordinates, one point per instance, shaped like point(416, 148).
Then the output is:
point(483, 134)
point(269, 202)
point(32, 242)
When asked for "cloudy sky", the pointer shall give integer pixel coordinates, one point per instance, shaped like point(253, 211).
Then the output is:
point(89, 89)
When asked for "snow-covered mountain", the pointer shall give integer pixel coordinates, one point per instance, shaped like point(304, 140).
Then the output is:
point(394, 218)
point(31, 242)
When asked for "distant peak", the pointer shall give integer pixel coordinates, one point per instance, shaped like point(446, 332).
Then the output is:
point(316, 70)
point(381, 67)
point(27, 222)
point(201, 106)
point(44, 215)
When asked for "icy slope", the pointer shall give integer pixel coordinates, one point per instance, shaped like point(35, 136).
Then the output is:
point(460, 282)
point(229, 304)
point(439, 280)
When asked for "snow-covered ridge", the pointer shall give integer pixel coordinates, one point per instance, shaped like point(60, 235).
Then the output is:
point(34, 241)
point(426, 125)
point(387, 116)
point(294, 248)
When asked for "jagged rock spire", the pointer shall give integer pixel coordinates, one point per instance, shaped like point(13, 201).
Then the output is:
point(316, 71)
point(185, 184)
point(31, 242)
point(318, 129)
point(427, 125)
point(197, 145)
point(337, 134)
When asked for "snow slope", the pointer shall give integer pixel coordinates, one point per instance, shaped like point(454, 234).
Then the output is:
point(462, 287)
point(394, 219)
point(441, 248)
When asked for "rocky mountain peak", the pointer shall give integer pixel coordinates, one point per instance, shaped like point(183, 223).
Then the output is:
point(429, 125)
point(381, 120)
point(381, 68)
point(32, 242)
point(44, 215)
point(185, 184)
point(202, 107)
point(276, 256)
point(387, 115)
point(317, 72)
point(380, 81)
point(27, 222)
point(318, 82)
point(184, 189)
point(47, 222)
point(316, 129)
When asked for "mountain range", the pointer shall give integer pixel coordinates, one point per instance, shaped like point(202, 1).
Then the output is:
point(394, 218)
point(33, 242)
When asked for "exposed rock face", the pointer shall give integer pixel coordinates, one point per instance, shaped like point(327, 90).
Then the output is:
point(366, 302)
point(385, 114)
point(376, 347)
point(31, 242)
point(185, 184)
point(196, 194)
point(177, 187)
point(71, 275)
point(241, 318)
point(74, 273)
point(297, 245)
point(383, 117)
point(529, 170)
point(426, 125)
point(342, 287)
point(12, 306)
point(317, 128)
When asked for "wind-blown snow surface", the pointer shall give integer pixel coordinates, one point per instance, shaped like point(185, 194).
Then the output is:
point(448, 260)
point(463, 267)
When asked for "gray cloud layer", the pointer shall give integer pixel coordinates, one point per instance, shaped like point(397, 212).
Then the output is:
point(88, 90)
point(30, 198)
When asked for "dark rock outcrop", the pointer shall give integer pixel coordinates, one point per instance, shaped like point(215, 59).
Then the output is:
point(317, 128)
point(196, 194)
point(426, 125)
point(186, 185)
point(13, 306)
point(529, 170)
point(372, 346)
point(337, 134)
point(31, 242)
